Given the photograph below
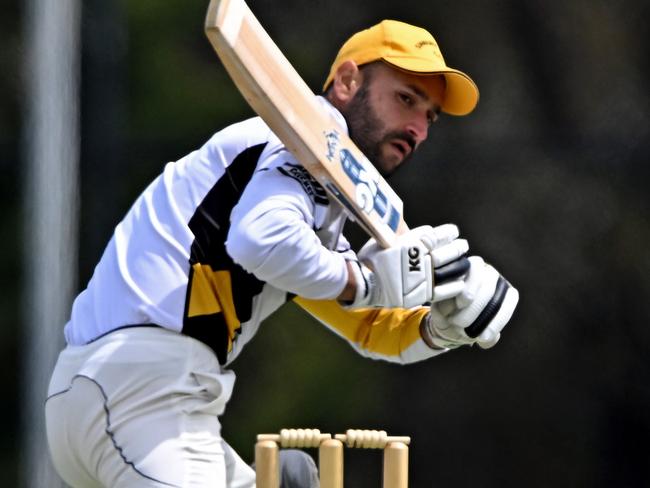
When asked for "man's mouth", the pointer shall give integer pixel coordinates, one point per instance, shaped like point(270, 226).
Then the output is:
point(404, 147)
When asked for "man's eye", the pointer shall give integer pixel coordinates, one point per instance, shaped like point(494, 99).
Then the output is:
point(407, 99)
point(433, 116)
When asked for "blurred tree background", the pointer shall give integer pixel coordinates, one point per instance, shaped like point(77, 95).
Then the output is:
point(547, 179)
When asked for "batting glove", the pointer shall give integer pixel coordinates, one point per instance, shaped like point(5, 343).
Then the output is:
point(425, 265)
point(476, 315)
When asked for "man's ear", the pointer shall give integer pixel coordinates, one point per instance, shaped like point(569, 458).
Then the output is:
point(346, 82)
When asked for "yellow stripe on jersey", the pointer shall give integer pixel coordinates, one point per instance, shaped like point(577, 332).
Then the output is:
point(211, 293)
point(385, 331)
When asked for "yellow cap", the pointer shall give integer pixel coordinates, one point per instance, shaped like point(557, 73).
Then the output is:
point(410, 49)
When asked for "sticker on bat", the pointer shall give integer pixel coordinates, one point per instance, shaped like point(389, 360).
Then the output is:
point(368, 195)
point(332, 138)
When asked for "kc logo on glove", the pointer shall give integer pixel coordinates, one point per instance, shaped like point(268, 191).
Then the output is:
point(414, 259)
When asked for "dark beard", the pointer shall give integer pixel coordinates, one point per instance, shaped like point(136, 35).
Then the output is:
point(363, 124)
point(367, 130)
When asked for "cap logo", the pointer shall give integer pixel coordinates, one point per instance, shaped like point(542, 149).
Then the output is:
point(424, 43)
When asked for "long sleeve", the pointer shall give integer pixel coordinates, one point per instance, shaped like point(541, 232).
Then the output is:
point(378, 333)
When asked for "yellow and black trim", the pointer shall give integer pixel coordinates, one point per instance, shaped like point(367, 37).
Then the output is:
point(219, 293)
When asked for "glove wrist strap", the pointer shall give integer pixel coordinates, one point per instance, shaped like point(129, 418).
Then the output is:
point(365, 283)
point(434, 338)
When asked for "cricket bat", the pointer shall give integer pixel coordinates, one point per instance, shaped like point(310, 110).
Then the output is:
point(278, 94)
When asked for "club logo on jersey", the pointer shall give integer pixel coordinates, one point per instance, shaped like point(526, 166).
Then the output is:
point(368, 195)
point(307, 181)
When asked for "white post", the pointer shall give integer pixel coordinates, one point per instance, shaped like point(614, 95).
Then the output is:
point(51, 148)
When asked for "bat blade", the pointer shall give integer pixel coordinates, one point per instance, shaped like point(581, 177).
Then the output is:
point(278, 94)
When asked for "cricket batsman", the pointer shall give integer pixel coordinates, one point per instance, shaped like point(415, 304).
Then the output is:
point(229, 233)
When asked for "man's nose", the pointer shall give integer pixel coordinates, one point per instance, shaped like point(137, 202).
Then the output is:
point(418, 127)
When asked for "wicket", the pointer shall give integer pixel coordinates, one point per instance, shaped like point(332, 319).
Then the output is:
point(330, 455)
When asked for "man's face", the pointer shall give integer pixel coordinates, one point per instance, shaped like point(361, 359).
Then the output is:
point(390, 114)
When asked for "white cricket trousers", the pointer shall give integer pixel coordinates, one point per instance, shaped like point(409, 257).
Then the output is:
point(139, 408)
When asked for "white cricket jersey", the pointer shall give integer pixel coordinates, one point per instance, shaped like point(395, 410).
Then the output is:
point(224, 237)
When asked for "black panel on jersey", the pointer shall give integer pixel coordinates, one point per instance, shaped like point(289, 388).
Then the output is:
point(210, 225)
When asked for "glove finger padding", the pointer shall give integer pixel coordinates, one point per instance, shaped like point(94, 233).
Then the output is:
point(480, 287)
point(448, 258)
point(449, 252)
point(451, 271)
point(491, 334)
point(435, 237)
point(447, 290)
point(448, 279)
